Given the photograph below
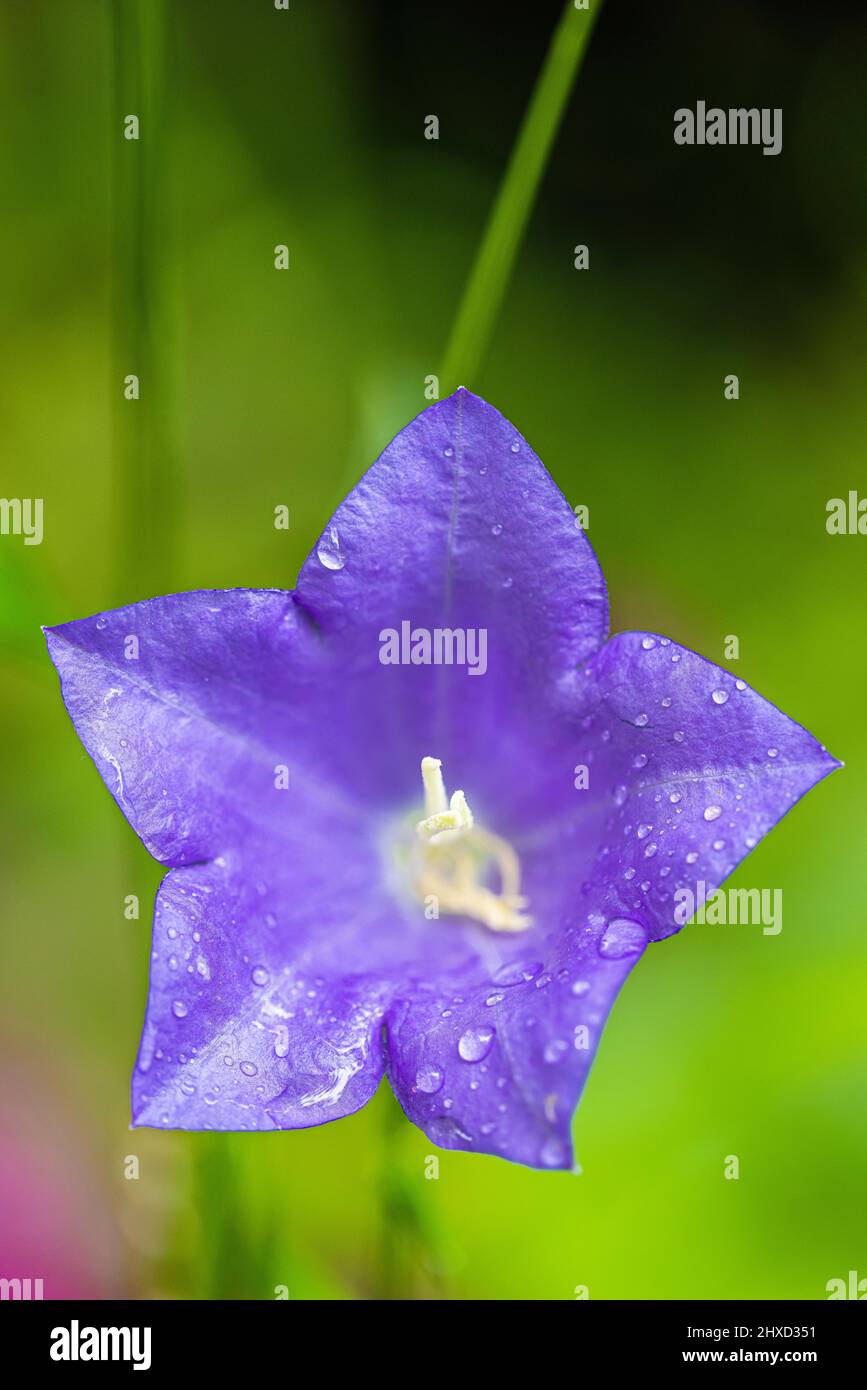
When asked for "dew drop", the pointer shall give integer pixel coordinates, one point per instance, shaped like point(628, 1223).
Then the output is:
point(494, 999)
point(475, 1044)
point(643, 831)
point(281, 1041)
point(516, 972)
point(712, 812)
point(620, 794)
point(719, 697)
point(553, 1154)
point(773, 752)
point(622, 937)
point(515, 446)
point(248, 1068)
point(260, 975)
point(641, 720)
point(430, 1080)
point(648, 643)
point(640, 760)
point(179, 1009)
point(678, 736)
point(328, 551)
point(496, 529)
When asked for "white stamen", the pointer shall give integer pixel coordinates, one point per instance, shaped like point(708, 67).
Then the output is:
point(454, 857)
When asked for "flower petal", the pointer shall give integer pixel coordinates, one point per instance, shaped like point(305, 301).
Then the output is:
point(496, 1062)
point(458, 522)
point(257, 1017)
point(699, 767)
point(190, 704)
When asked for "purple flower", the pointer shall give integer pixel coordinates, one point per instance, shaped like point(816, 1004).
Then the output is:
point(331, 912)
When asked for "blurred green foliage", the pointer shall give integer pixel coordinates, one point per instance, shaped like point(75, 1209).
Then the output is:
point(306, 128)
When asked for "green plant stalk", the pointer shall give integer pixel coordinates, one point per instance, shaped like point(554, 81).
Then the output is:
point(507, 223)
point(141, 343)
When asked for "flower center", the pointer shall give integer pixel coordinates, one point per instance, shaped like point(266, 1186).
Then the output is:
point(453, 857)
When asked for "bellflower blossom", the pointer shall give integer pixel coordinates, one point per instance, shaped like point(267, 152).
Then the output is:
point(421, 818)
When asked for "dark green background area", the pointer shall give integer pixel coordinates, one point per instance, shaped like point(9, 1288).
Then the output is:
point(259, 388)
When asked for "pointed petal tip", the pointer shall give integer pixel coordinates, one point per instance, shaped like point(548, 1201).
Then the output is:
point(463, 393)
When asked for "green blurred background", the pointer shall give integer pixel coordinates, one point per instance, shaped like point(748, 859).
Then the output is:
point(306, 128)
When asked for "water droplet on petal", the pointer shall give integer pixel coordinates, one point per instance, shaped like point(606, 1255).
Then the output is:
point(620, 794)
point(281, 1041)
point(248, 1068)
point(179, 1009)
point(719, 697)
point(554, 1050)
point(328, 551)
point(740, 685)
point(773, 752)
point(494, 999)
point(496, 529)
point(430, 1080)
point(475, 1044)
point(641, 720)
point(712, 812)
point(553, 1154)
point(640, 760)
point(643, 831)
point(622, 937)
point(517, 972)
point(648, 642)
point(260, 975)
point(515, 445)
point(580, 987)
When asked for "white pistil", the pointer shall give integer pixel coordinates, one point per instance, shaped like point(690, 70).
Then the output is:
point(454, 856)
